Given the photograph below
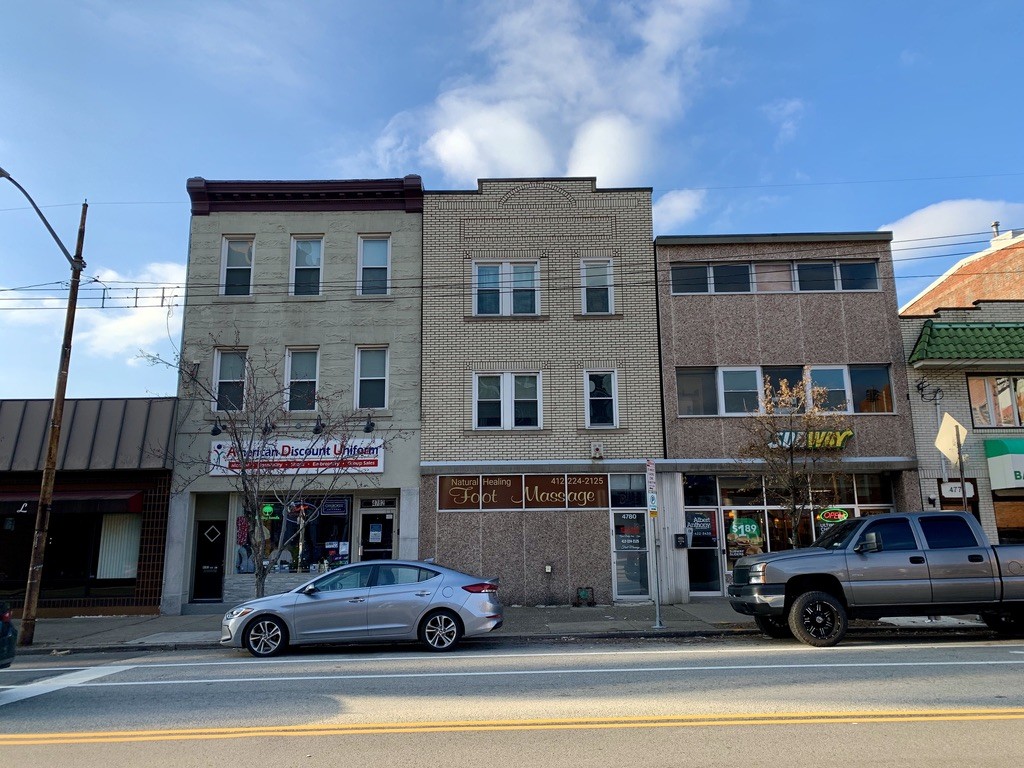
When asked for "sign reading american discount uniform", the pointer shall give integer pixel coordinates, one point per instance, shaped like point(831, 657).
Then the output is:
point(302, 457)
point(509, 492)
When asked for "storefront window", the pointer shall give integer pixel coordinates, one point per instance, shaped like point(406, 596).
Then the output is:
point(745, 533)
point(628, 491)
point(782, 534)
point(741, 491)
point(323, 539)
point(874, 489)
point(700, 491)
point(630, 542)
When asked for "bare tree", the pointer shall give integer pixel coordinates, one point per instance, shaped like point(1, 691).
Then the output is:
point(280, 445)
point(797, 440)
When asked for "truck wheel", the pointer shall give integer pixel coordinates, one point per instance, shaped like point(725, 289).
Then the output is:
point(1010, 623)
point(776, 627)
point(818, 619)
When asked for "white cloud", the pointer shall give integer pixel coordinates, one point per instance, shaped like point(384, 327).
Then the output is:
point(960, 225)
point(676, 208)
point(785, 115)
point(611, 147)
point(566, 91)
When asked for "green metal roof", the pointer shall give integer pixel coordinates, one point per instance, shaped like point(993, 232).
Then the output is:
point(969, 341)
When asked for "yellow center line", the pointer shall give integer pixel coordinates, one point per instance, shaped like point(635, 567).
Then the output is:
point(469, 726)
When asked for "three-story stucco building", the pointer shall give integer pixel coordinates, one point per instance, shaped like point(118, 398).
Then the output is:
point(302, 315)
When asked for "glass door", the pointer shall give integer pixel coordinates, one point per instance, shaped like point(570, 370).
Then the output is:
point(629, 556)
point(703, 551)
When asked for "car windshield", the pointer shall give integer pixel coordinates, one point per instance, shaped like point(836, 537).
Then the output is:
point(838, 536)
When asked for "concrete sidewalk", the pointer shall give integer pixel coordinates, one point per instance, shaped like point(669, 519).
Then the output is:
point(703, 617)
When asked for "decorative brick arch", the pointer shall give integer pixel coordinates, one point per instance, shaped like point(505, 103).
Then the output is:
point(537, 195)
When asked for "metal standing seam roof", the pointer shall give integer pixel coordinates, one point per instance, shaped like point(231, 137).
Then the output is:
point(969, 341)
point(99, 434)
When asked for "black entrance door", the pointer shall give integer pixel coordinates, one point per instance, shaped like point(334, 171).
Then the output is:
point(375, 535)
point(208, 582)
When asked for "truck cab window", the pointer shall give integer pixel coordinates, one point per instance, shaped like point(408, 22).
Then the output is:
point(948, 532)
point(892, 535)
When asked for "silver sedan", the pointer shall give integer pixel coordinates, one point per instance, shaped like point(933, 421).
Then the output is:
point(377, 601)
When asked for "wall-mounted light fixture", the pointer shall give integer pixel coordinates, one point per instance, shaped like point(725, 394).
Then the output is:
point(318, 428)
point(217, 428)
point(369, 426)
point(268, 427)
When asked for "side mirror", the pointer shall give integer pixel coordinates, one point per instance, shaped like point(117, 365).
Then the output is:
point(869, 544)
point(310, 589)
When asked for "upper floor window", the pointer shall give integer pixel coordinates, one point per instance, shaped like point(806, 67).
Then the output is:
point(774, 276)
point(706, 391)
point(229, 385)
point(505, 288)
point(307, 255)
point(374, 266)
point(372, 377)
point(236, 268)
point(506, 400)
point(602, 407)
point(597, 287)
point(301, 374)
point(997, 401)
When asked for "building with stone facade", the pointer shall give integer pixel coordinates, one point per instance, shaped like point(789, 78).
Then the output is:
point(301, 352)
point(736, 310)
point(964, 337)
point(540, 388)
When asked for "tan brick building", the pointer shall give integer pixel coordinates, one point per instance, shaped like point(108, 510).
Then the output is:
point(540, 386)
point(737, 310)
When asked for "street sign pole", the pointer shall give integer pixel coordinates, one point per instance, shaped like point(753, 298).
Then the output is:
point(652, 513)
point(960, 463)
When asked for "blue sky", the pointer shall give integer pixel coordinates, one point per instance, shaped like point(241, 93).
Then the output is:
point(783, 116)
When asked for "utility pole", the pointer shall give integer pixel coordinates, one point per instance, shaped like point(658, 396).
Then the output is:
point(35, 567)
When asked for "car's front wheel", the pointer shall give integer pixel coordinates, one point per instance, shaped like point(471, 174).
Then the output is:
point(818, 619)
point(266, 636)
point(440, 630)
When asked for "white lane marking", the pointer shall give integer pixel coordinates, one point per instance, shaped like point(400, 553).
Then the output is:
point(71, 680)
point(832, 667)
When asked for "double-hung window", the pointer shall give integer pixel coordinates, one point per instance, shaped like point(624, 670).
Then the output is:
point(301, 375)
point(602, 399)
point(741, 390)
point(505, 288)
point(307, 261)
point(831, 382)
point(229, 386)
point(374, 266)
point(696, 391)
point(870, 389)
point(372, 377)
point(597, 287)
point(506, 400)
point(236, 269)
point(997, 401)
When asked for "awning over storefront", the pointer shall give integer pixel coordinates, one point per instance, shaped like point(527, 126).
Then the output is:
point(941, 343)
point(1005, 463)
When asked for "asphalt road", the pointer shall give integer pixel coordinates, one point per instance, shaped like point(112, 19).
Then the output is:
point(730, 701)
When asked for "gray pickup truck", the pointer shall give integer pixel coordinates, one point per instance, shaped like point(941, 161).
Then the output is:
point(911, 564)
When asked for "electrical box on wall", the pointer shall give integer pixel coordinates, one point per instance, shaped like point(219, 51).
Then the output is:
point(680, 540)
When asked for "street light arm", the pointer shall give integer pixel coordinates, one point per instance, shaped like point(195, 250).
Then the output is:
point(5, 175)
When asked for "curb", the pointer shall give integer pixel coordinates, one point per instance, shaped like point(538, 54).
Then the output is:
point(546, 637)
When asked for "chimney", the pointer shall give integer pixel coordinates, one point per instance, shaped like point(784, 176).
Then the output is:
point(995, 229)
